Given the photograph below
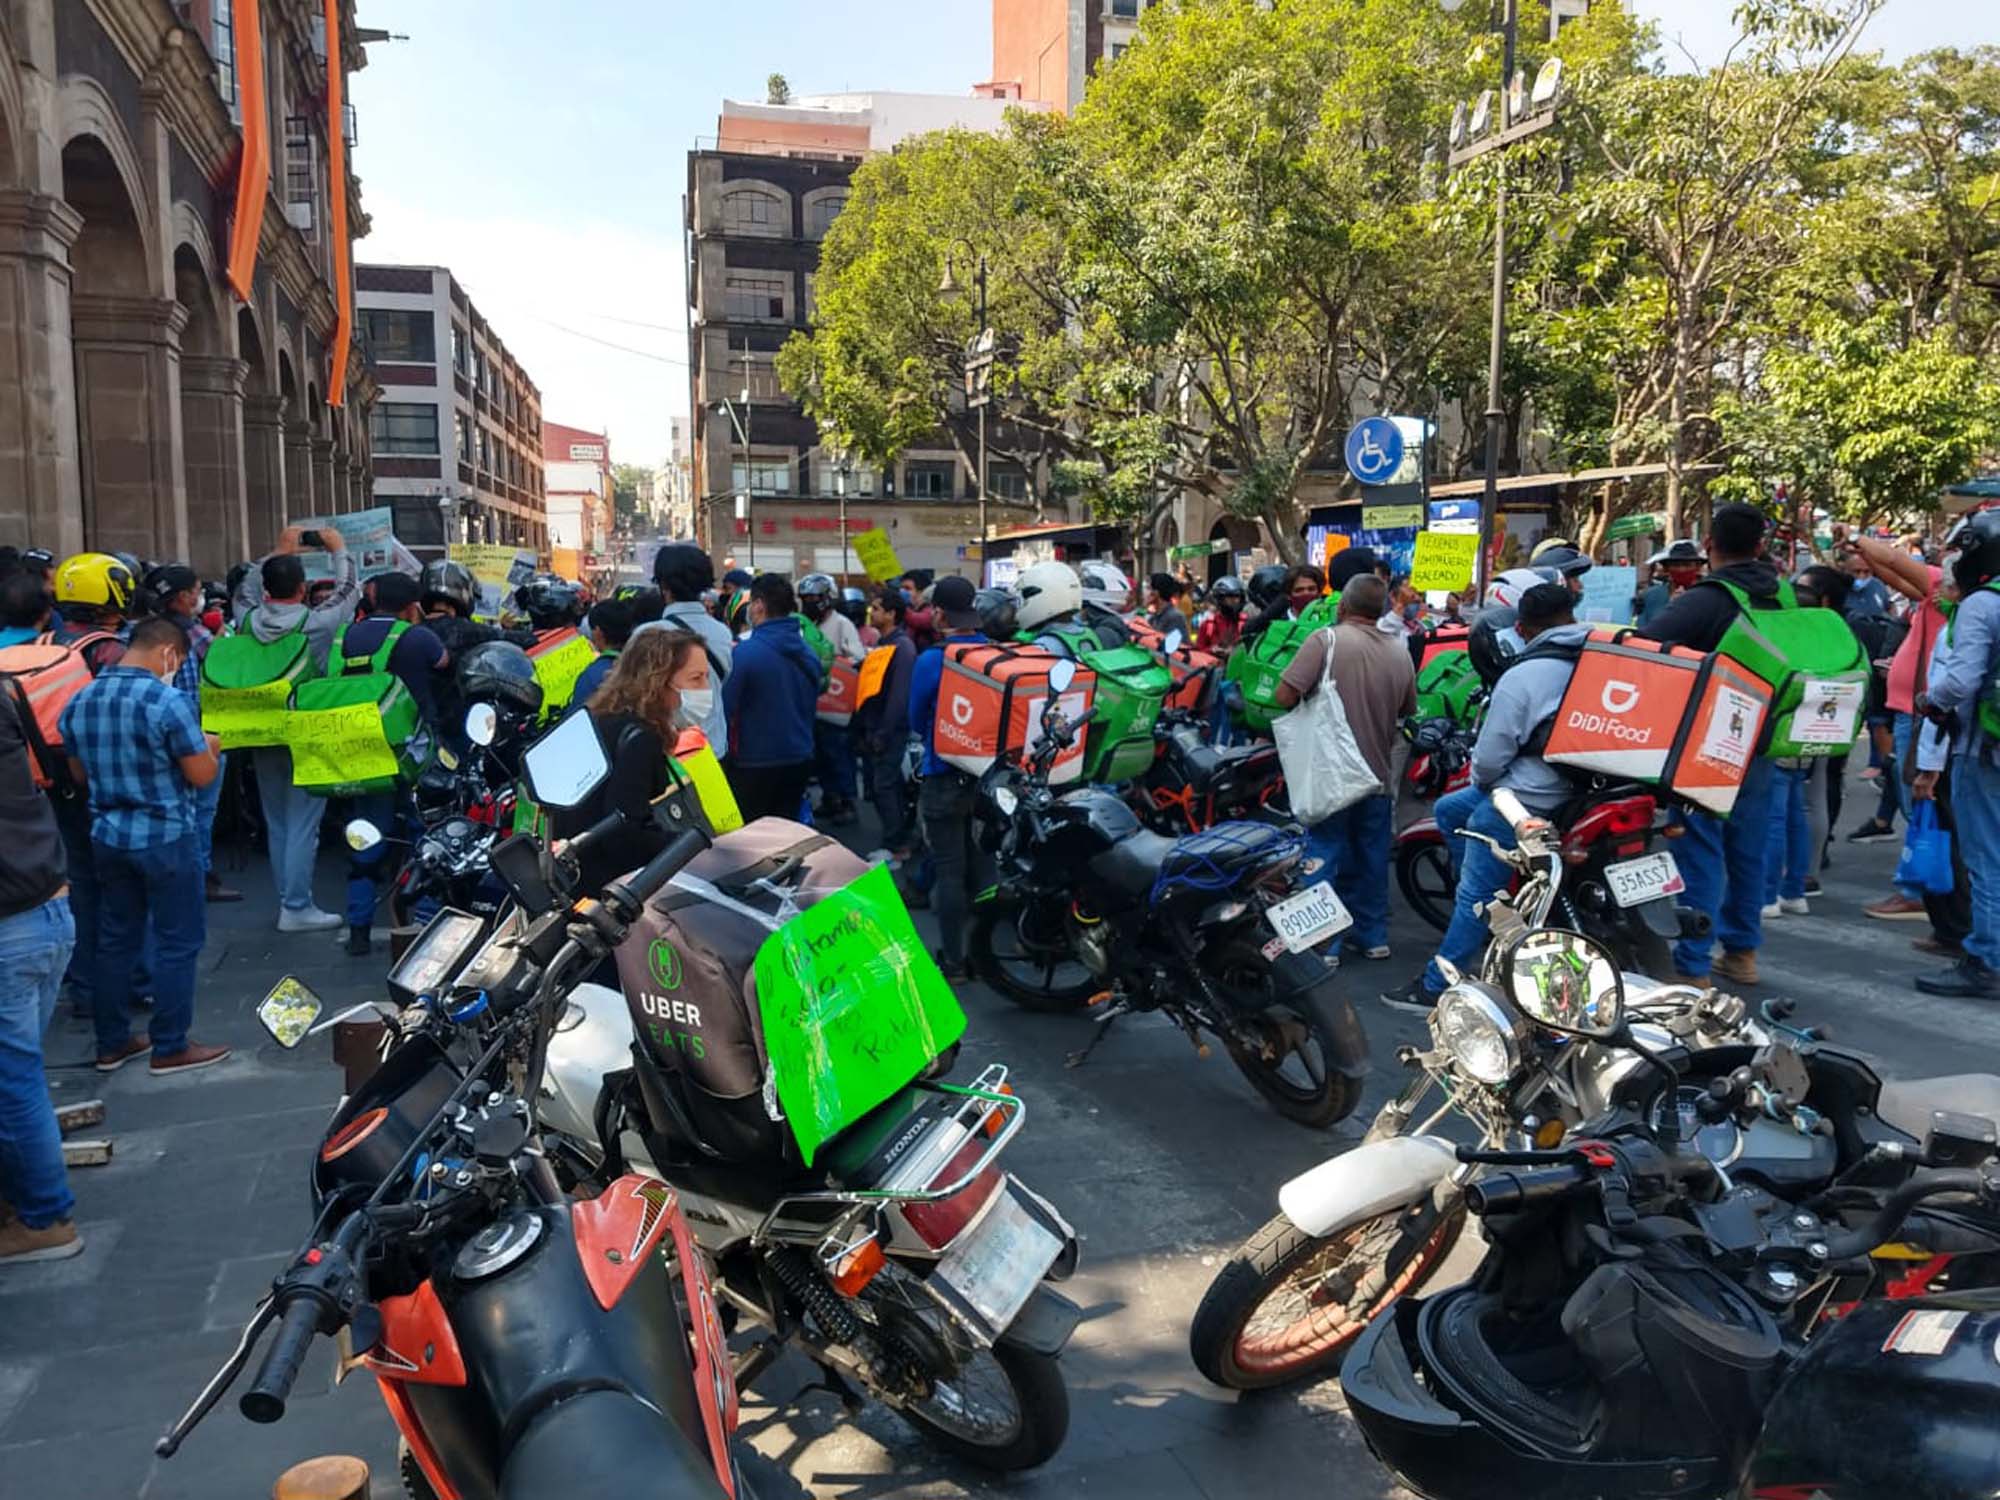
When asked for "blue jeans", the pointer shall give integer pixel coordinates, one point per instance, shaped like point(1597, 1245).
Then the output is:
point(34, 947)
point(1354, 843)
point(1481, 873)
point(366, 866)
point(161, 885)
point(1722, 862)
point(206, 799)
point(73, 823)
point(1895, 795)
point(1975, 802)
point(1788, 851)
point(833, 762)
point(292, 817)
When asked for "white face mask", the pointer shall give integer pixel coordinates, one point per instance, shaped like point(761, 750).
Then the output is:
point(696, 705)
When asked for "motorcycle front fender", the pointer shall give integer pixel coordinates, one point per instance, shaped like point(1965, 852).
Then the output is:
point(1044, 1323)
point(1366, 1181)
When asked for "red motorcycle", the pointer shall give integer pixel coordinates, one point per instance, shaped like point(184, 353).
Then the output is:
point(1440, 762)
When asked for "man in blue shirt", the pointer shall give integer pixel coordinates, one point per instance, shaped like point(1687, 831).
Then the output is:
point(945, 800)
point(136, 744)
point(769, 699)
point(174, 590)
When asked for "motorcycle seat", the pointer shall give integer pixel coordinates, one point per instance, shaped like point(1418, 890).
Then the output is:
point(1213, 857)
point(1907, 1104)
point(1131, 865)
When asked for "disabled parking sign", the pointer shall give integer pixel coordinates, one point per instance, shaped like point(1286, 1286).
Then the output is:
point(1374, 450)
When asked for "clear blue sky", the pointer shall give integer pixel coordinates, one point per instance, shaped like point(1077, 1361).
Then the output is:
point(540, 151)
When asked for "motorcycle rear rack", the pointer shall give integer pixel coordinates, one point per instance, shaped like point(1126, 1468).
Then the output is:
point(986, 1090)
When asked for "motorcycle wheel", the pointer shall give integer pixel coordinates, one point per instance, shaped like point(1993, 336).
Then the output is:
point(1423, 870)
point(1033, 970)
point(1004, 1433)
point(415, 1485)
point(1297, 1075)
point(1289, 1304)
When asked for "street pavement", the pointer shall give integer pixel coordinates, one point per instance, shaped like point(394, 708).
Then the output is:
point(1162, 1159)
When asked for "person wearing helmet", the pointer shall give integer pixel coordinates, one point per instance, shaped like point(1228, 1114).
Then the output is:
point(550, 604)
point(819, 597)
point(833, 745)
point(174, 590)
point(1224, 624)
point(1524, 699)
point(1105, 586)
point(854, 605)
point(450, 595)
point(1051, 593)
point(999, 613)
point(1962, 705)
point(1504, 590)
point(95, 595)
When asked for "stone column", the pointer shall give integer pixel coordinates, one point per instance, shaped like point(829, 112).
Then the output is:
point(264, 470)
point(300, 501)
point(212, 431)
point(40, 500)
point(129, 440)
point(328, 497)
point(358, 475)
point(343, 482)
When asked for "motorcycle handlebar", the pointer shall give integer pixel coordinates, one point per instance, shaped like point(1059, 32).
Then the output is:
point(1513, 1192)
point(669, 862)
point(1855, 1243)
point(265, 1400)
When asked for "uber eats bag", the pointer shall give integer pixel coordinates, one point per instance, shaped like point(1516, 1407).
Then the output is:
point(357, 730)
point(1132, 685)
point(1816, 668)
point(246, 686)
point(1257, 664)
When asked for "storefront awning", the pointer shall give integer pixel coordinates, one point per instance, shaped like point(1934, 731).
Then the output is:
point(1515, 482)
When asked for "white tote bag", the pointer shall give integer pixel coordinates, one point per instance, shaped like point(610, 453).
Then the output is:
point(1324, 768)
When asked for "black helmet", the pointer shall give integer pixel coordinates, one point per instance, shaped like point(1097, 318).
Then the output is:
point(1493, 644)
point(500, 673)
point(817, 593)
point(450, 583)
point(1267, 585)
point(551, 603)
point(854, 604)
point(1976, 540)
point(999, 613)
point(165, 581)
point(1226, 589)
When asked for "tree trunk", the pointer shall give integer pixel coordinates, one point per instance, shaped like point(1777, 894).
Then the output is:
point(1676, 416)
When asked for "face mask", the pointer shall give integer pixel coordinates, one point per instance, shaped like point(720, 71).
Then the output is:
point(696, 705)
point(169, 674)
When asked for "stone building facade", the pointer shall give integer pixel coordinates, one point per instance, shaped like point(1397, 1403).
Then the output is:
point(143, 406)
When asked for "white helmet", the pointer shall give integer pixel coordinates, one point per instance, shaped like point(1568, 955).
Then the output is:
point(1047, 590)
point(1505, 591)
point(1106, 586)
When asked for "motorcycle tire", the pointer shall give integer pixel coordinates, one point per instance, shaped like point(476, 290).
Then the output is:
point(1423, 871)
point(1324, 1094)
point(1041, 1397)
point(1051, 994)
point(1414, 1239)
point(410, 1472)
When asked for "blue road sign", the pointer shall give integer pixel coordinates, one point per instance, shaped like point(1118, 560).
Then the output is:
point(1374, 450)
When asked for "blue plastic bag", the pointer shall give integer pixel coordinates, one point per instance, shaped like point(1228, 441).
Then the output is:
point(1926, 861)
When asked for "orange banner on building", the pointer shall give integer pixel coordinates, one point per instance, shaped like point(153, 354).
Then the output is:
point(343, 247)
point(253, 172)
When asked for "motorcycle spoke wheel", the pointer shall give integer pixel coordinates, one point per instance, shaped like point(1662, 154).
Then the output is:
point(977, 1405)
point(1424, 873)
point(1035, 972)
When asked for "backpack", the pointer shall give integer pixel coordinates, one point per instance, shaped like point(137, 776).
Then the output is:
point(246, 686)
point(1256, 664)
point(821, 647)
point(356, 730)
point(1448, 687)
point(1132, 686)
point(47, 677)
point(1817, 670)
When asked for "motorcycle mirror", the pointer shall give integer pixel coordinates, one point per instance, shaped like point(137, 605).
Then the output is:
point(1061, 675)
point(567, 764)
point(362, 835)
point(1172, 642)
point(1567, 983)
point(482, 723)
point(289, 1011)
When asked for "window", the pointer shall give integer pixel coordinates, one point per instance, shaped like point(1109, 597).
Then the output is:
point(754, 297)
point(821, 211)
point(301, 175)
point(766, 475)
point(927, 479)
point(754, 211)
point(400, 337)
point(1118, 50)
point(222, 46)
point(762, 377)
point(485, 452)
point(1124, 10)
point(458, 348)
point(404, 427)
point(1006, 482)
point(464, 431)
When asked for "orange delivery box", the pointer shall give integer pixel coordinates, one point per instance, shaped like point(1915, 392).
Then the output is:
point(1190, 689)
point(837, 704)
point(1664, 715)
point(990, 702)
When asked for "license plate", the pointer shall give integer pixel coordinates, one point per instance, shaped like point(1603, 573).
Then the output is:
point(1637, 881)
point(1308, 919)
point(994, 1266)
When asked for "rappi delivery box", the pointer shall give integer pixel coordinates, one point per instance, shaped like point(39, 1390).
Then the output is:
point(1664, 715)
point(990, 701)
point(836, 705)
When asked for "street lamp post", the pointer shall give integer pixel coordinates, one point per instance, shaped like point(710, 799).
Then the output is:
point(978, 371)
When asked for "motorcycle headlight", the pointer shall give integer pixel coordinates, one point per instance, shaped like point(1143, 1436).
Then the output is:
point(1005, 798)
point(1478, 1032)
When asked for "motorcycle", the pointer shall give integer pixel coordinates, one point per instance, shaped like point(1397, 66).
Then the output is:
point(1193, 784)
point(526, 1345)
point(1383, 1219)
point(1440, 762)
point(1092, 909)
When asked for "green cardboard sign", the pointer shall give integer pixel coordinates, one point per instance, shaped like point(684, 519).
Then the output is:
point(853, 1008)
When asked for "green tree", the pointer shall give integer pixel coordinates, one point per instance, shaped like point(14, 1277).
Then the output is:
point(625, 484)
point(777, 89)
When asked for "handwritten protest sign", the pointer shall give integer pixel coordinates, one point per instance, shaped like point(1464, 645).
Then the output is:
point(496, 570)
point(557, 670)
point(1443, 561)
point(247, 717)
point(345, 745)
point(853, 1007)
point(878, 555)
point(1607, 595)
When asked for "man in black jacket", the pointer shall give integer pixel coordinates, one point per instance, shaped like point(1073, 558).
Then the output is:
point(1722, 860)
point(882, 724)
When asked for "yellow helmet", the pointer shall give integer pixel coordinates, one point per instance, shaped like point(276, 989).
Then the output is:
point(94, 578)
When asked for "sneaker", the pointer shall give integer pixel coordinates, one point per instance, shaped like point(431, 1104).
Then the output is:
point(19, 1245)
point(111, 1062)
point(1699, 981)
point(1412, 998)
point(357, 942)
point(1873, 773)
point(1379, 952)
point(308, 919)
point(190, 1058)
point(215, 890)
point(1793, 906)
point(1938, 948)
point(1968, 979)
point(952, 968)
point(1813, 887)
point(1773, 909)
point(1738, 967)
point(1874, 831)
point(1897, 908)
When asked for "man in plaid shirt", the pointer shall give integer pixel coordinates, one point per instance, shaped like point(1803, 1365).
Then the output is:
point(175, 591)
point(136, 744)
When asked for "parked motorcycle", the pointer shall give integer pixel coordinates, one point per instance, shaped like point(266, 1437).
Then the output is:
point(1440, 761)
point(526, 1345)
point(1193, 784)
point(1092, 909)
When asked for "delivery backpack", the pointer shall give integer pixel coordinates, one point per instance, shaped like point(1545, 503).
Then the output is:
point(1817, 670)
point(246, 686)
point(821, 647)
point(1132, 685)
point(1448, 687)
point(1256, 664)
point(46, 678)
point(357, 729)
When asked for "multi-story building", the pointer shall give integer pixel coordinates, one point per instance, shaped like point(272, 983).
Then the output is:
point(673, 485)
point(761, 196)
point(176, 228)
point(457, 433)
point(581, 502)
point(1044, 51)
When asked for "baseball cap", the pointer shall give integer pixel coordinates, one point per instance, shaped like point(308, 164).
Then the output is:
point(953, 598)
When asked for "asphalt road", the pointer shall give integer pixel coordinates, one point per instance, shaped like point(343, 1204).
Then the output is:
point(1163, 1160)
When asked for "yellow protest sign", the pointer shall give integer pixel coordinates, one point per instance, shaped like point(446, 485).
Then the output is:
point(877, 554)
point(249, 717)
point(341, 745)
point(496, 569)
point(557, 667)
point(1443, 561)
